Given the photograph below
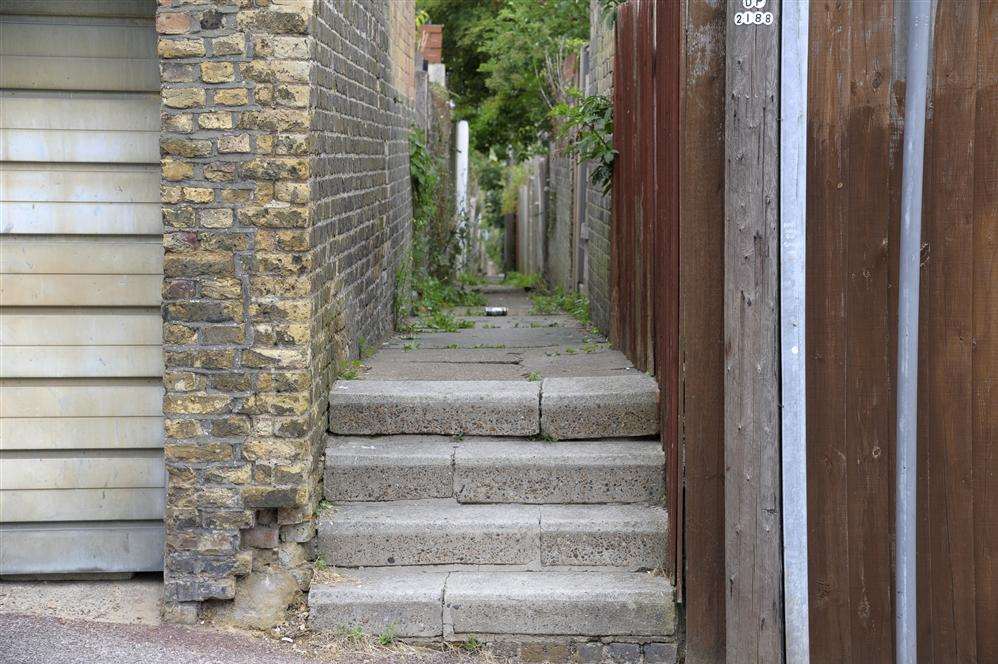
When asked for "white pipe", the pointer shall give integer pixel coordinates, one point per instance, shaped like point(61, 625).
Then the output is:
point(461, 169)
point(793, 236)
point(919, 47)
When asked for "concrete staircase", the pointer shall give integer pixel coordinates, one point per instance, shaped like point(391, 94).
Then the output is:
point(508, 511)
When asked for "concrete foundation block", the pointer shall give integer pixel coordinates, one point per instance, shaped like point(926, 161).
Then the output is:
point(408, 602)
point(627, 536)
point(478, 407)
point(566, 603)
point(429, 533)
point(599, 407)
point(611, 471)
point(392, 468)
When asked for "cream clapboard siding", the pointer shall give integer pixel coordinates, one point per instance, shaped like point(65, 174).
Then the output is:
point(81, 261)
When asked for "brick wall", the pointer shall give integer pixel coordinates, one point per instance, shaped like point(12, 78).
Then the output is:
point(286, 208)
point(598, 205)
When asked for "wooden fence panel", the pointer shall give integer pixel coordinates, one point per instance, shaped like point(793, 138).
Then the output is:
point(753, 509)
point(701, 324)
point(856, 89)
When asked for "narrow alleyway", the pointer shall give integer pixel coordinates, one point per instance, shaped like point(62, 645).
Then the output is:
point(519, 346)
point(499, 483)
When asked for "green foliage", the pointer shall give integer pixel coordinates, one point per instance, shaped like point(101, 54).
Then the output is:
point(425, 175)
point(533, 377)
point(472, 644)
point(503, 64)
point(434, 294)
point(587, 124)
point(443, 321)
point(353, 634)
point(349, 370)
point(387, 637)
point(520, 280)
point(608, 10)
point(574, 304)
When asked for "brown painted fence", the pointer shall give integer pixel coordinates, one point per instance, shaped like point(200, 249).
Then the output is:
point(644, 278)
point(667, 277)
point(856, 90)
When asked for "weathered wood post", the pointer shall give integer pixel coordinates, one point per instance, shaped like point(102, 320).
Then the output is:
point(753, 533)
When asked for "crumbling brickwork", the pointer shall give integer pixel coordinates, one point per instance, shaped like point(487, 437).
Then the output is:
point(598, 210)
point(286, 209)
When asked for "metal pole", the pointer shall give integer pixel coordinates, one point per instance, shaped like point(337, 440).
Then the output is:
point(919, 47)
point(793, 236)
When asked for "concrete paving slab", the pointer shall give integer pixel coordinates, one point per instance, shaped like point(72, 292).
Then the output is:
point(497, 338)
point(487, 408)
point(428, 532)
point(444, 355)
point(391, 468)
point(408, 602)
point(445, 371)
point(629, 536)
point(564, 603)
point(606, 471)
point(599, 407)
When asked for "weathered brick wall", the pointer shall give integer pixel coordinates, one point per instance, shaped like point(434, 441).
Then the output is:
point(285, 208)
point(598, 205)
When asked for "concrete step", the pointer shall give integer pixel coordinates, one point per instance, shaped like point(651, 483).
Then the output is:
point(490, 605)
point(599, 407)
point(470, 407)
point(444, 532)
point(494, 471)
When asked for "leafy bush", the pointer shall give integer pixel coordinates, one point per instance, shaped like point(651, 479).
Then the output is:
point(587, 125)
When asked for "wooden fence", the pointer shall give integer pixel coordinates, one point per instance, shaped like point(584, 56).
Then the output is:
point(856, 93)
point(667, 288)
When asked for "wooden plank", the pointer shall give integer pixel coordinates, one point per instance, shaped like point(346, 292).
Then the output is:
point(92, 256)
point(753, 553)
point(81, 361)
point(117, 8)
point(122, 290)
point(76, 73)
point(985, 335)
point(113, 147)
point(43, 505)
point(828, 490)
point(82, 398)
point(78, 38)
point(79, 111)
point(75, 183)
point(57, 327)
point(82, 469)
point(701, 311)
point(77, 433)
point(869, 425)
point(946, 455)
point(663, 260)
point(81, 218)
point(78, 548)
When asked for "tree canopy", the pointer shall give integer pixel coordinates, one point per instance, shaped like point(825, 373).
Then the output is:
point(503, 58)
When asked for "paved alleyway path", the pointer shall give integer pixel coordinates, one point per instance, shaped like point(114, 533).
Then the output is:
point(36, 639)
point(511, 347)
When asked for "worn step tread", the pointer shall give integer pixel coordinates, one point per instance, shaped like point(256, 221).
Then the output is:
point(444, 532)
point(494, 470)
point(599, 407)
point(454, 605)
point(471, 407)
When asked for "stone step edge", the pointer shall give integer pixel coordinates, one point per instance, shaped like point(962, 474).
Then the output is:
point(535, 537)
point(385, 469)
point(579, 408)
point(424, 604)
